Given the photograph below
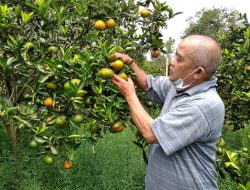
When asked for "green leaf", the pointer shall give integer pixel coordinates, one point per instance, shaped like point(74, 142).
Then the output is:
point(74, 136)
point(12, 39)
point(22, 121)
point(248, 185)
point(53, 150)
point(39, 139)
point(242, 187)
point(26, 16)
point(114, 49)
point(43, 78)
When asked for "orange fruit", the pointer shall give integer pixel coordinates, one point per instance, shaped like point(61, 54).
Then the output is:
point(123, 75)
point(67, 164)
point(33, 144)
point(48, 102)
point(94, 129)
point(100, 25)
point(66, 85)
point(144, 13)
point(52, 85)
point(110, 23)
point(248, 68)
point(106, 73)
point(155, 53)
point(48, 160)
point(117, 65)
point(61, 121)
point(78, 118)
point(118, 127)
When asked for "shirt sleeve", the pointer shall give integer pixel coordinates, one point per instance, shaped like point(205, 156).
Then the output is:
point(180, 127)
point(158, 88)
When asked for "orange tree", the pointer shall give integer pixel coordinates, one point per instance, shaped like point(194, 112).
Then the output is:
point(234, 77)
point(54, 58)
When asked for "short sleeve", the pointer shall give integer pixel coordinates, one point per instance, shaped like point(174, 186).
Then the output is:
point(158, 88)
point(180, 127)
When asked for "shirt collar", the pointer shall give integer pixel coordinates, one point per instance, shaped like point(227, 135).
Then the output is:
point(201, 87)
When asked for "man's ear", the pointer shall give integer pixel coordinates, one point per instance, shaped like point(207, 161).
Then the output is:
point(200, 73)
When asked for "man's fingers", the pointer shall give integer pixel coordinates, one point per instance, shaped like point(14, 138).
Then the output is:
point(130, 80)
point(115, 55)
point(117, 78)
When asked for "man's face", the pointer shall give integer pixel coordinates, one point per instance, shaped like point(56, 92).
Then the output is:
point(182, 64)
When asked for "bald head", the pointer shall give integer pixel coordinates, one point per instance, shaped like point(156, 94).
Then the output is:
point(205, 52)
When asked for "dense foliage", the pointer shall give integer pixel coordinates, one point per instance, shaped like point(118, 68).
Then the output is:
point(55, 66)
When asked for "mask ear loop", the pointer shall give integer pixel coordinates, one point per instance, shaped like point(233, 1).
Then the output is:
point(190, 74)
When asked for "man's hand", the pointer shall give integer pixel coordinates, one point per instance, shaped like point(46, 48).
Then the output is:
point(124, 57)
point(141, 76)
point(127, 88)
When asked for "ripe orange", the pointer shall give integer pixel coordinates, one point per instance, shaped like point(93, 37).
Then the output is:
point(106, 73)
point(123, 75)
point(144, 13)
point(118, 127)
point(110, 23)
point(248, 68)
point(155, 53)
point(67, 164)
point(100, 25)
point(48, 102)
point(117, 65)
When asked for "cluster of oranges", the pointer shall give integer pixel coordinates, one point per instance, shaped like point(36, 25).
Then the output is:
point(154, 52)
point(61, 120)
point(117, 66)
point(101, 25)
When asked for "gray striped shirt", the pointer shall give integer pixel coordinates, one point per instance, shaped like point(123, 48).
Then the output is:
point(187, 130)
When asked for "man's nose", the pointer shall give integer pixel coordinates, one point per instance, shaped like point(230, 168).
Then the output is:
point(173, 60)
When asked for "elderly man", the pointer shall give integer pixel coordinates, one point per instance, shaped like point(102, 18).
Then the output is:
point(183, 137)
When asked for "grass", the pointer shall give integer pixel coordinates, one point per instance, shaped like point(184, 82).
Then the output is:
point(117, 164)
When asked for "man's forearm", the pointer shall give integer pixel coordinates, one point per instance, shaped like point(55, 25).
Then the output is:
point(141, 118)
point(141, 76)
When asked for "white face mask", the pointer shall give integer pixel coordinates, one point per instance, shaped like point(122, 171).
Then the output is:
point(180, 82)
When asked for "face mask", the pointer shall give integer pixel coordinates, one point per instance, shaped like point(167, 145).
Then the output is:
point(180, 82)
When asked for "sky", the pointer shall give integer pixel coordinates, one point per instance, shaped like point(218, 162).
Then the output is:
point(178, 24)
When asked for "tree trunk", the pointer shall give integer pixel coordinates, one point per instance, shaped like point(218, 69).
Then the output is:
point(12, 135)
